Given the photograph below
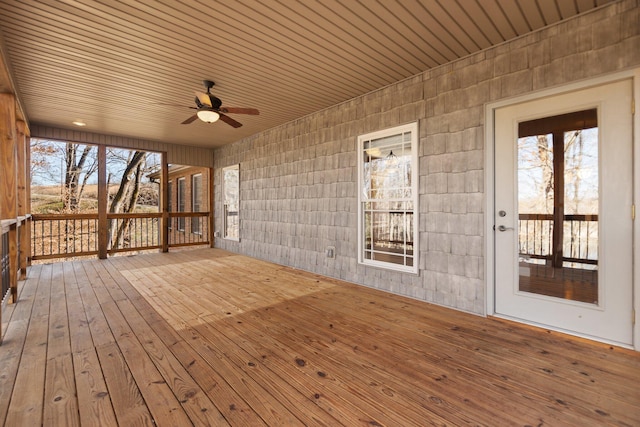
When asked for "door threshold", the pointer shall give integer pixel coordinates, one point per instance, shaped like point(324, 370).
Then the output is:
point(552, 330)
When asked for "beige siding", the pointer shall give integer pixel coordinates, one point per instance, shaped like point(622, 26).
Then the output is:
point(298, 187)
point(176, 154)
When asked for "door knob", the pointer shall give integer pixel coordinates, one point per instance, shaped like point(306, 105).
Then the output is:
point(503, 228)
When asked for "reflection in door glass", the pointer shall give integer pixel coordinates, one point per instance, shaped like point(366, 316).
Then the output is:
point(558, 206)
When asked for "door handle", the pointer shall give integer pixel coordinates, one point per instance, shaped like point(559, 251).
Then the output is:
point(503, 228)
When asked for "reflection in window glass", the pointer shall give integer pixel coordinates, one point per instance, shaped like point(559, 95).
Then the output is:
point(196, 201)
point(388, 198)
point(181, 202)
point(231, 197)
point(558, 199)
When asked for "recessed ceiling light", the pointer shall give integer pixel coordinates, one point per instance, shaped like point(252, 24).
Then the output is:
point(79, 123)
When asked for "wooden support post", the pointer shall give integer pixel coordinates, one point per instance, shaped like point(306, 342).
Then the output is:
point(103, 224)
point(23, 202)
point(164, 203)
point(558, 199)
point(212, 216)
point(28, 195)
point(8, 182)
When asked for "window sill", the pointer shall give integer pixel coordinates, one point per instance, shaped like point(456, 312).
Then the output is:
point(390, 267)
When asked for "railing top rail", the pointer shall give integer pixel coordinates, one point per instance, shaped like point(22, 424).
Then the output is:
point(54, 217)
point(5, 224)
point(187, 214)
point(48, 217)
point(134, 215)
point(571, 217)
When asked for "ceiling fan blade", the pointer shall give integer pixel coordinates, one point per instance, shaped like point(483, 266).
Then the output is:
point(234, 110)
point(204, 98)
point(228, 120)
point(190, 119)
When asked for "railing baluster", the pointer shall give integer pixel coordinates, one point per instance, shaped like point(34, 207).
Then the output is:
point(81, 236)
point(535, 233)
point(588, 238)
point(58, 238)
point(580, 240)
point(41, 235)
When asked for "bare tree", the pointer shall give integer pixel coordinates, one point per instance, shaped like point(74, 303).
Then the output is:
point(80, 162)
point(125, 199)
point(42, 151)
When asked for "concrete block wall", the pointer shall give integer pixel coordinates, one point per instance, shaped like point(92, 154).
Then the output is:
point(298, 182)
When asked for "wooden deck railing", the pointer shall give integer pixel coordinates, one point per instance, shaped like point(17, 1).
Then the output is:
point(64, 235)
point(134, 232)
point(580, 237)
point(74, 235)
point(188, 228)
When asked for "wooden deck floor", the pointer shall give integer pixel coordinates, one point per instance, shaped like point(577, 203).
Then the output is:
point(205, 337)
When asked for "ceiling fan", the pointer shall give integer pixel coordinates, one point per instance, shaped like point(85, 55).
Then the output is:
point(209, 108)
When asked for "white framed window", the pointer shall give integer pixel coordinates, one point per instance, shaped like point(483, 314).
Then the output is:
point(182, 187)
point(388, 198)
point(231, 200)
point(196, 202)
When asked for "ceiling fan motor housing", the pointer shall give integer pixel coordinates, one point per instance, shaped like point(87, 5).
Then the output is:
point(215, 102)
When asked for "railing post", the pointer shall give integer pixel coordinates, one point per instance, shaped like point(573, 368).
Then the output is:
point(28, 249)
point(211, 217)
point(4, 274)
point(558, 199)
point(103, 225)
point(23, 201)
point(164, 203)
point(13, 261)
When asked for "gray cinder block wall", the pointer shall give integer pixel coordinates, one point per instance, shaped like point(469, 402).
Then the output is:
point(298, 182)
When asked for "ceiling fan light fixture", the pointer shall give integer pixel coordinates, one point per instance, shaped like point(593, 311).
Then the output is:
point(207, 115)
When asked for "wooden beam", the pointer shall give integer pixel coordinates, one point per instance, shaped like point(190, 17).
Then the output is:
point(164, 203)
point(8, 182)
point(23, 202)
point(103, 225)
point(558, 199)
point(8, 148)
point(586, 119)
point(28, 193)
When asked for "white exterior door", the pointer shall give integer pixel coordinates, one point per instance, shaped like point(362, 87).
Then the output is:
point(563, 212)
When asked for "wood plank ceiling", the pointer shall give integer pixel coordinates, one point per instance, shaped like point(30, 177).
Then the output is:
point(111, 64)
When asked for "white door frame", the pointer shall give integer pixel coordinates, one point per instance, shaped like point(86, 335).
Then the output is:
point(490, 183)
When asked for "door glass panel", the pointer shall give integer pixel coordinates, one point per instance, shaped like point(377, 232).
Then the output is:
point(558, 197)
